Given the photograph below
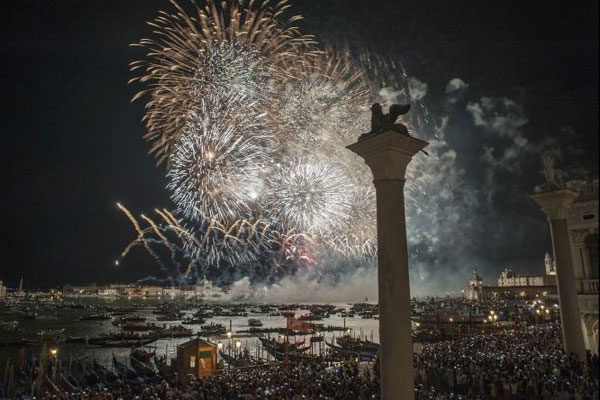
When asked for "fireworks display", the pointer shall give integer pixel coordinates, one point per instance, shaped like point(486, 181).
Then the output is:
point(309, 195)
point(250, 119)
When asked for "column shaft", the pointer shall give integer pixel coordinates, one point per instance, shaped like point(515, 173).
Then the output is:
point(388, 155)
point(395, 333)
point(567, 291)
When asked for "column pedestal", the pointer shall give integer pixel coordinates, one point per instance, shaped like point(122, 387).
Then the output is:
point(555, 204)
point(388, 154)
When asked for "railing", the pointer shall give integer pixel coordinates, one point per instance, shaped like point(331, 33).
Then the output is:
point(587, 286)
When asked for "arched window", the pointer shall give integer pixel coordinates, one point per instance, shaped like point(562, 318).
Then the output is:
point(591, 244)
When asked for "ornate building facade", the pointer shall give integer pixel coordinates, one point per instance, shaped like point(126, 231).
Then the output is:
point(582, 223)
point(509, 279)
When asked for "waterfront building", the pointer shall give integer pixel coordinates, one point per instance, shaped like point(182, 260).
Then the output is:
point(171, 292)
point(108, 292)
point(512, 285)
point(509, 279)
point(205, 289)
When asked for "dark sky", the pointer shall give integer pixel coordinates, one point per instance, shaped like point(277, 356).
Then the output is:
point(72, 144)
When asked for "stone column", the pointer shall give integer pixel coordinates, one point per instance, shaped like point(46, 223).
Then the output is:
point(555, 204)
point(388, 154)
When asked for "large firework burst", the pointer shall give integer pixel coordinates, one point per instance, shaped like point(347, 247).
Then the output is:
point(308, 195)
point(215, 169)
point(235, 46)
point(251, 119)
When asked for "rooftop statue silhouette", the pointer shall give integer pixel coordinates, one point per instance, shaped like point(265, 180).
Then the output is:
point(554, 180)
point(381, 122)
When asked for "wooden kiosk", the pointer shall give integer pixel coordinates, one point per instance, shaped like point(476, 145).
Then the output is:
point(196, 357)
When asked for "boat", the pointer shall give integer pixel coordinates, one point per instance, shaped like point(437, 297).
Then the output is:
point(9, 326)
point(189, 320)
point(359, 345)
point(175, 331)
point(107, 376)
point(170, 317)
point(128, 335)
point(128, 319)
point(212, 329)
point(139, 327)
point(95, 317)
point(254, 322)
point(272, 344)
point(107, 342)
point(128, 375)
point(48, 337)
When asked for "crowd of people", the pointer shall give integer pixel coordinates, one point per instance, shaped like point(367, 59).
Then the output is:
point(294, 381)
point(519, 364)
point(526, 363)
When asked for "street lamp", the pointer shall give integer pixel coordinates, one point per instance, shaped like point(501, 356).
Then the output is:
point(53, 351)
point(229, 337)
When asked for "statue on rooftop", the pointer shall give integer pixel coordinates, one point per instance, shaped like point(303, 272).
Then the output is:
point(549, 172)
point(554, 177)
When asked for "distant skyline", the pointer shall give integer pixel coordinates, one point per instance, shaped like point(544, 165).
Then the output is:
point(506, 81)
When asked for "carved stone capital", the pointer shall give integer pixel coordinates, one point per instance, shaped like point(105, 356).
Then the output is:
point(578, 235)
point(387, 154)
point(555, 203)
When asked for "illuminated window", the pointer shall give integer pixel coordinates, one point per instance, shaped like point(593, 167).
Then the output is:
point(193, 362)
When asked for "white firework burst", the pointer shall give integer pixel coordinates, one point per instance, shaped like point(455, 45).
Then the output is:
point(308, 195)
point(216, 168)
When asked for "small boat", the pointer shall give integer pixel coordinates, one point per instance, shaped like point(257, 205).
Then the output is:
point(128, 319)
point(254, 322)
point(105, 342)
point(95, 317)
point(139, 327)
point(213, 329)
point(169, 317)
point(189, 320)
point(175, 331)
point(8, 326)
point(48, 337)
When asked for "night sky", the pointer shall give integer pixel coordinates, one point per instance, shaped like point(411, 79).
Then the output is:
point(525, 77)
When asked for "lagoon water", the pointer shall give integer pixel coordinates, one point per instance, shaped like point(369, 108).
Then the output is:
point(67, 319)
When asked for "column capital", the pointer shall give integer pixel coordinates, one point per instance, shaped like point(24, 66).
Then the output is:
point(388, 153)
point(555, 203)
